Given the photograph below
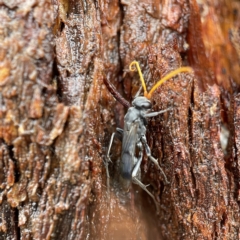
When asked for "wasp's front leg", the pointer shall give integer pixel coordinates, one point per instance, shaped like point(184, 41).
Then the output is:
point(138, 161)
point(148, 152)
point(154, 114)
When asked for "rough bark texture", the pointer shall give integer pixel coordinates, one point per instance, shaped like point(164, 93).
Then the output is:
point(57, 117)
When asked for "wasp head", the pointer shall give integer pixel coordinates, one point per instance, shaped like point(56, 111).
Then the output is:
point(142, 103)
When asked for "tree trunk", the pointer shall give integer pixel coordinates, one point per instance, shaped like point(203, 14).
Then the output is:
point(57, 117)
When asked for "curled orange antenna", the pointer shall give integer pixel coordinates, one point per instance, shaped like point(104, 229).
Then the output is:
point(161, 81)
point(167, 77)
point(140, 75)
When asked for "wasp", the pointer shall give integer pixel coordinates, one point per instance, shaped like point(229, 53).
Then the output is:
point(133, 135)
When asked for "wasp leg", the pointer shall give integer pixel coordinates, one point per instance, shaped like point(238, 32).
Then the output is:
point(108, 153)
point(119, 135)
point(153, 114)
point(148, 151)
point(135, 174)
point(141, 185)
point(119, 132)
point(138, 160)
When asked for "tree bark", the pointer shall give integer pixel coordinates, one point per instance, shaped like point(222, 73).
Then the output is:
point(57, 117)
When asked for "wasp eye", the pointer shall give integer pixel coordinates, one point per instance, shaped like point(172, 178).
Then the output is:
point(146, 105)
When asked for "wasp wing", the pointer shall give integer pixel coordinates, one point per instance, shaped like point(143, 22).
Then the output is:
point(128, 154)
point(130, 138)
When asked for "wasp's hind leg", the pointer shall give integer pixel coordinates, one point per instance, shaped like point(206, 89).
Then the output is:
point(119, 135)
point(136, 174)
point(141, 185)
point(148, 152)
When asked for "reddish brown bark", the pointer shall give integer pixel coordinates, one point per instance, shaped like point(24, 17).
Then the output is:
point(57, 117)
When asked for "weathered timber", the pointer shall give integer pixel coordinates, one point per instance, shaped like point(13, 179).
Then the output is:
point(57, 116)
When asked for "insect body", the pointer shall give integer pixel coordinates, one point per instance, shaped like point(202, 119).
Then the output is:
point(134, 137)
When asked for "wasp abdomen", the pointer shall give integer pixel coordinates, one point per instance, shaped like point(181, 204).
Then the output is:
point(126, 166)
